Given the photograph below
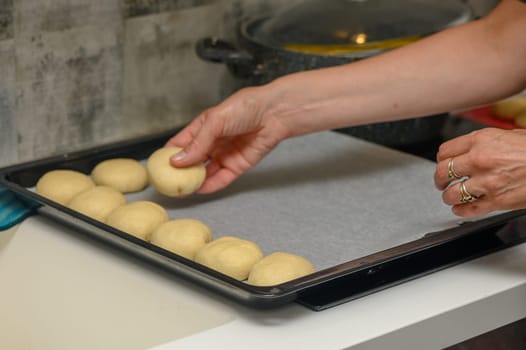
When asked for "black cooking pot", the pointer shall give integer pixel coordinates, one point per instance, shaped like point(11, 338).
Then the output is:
point(316, 34)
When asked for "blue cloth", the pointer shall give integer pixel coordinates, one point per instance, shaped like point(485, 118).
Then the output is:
point(13, 209)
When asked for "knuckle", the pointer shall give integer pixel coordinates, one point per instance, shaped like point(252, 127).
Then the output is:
point(482, 135)
point(441, 150)
point(490, 184)
point(480, 159)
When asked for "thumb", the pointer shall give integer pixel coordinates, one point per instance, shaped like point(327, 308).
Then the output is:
point(199, 147)
point(188, 156)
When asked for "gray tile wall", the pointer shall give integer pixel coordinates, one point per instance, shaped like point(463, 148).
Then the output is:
point(80, 73)
point(68, 74)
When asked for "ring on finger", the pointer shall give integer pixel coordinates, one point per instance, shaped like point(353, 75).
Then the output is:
point(451, 173)
point(465, 196)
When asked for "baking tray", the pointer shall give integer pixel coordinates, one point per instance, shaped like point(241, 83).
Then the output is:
point(293, 202)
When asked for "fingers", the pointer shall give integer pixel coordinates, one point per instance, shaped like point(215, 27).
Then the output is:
point(186, 135)
point(197, 140)
point(461, 191)
point(451, 169)
point(467, 198)
point(217, 178)
point(455, 147)
point(492, 168)
point(455, 175)
point(453, 161)
point(469, 210)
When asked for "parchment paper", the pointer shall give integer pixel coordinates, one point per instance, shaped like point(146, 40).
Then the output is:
point(329, 197)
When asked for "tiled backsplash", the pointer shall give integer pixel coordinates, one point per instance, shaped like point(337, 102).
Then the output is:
point(79, 73)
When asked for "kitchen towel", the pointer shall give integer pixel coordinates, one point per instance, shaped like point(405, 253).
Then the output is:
point(13, 209)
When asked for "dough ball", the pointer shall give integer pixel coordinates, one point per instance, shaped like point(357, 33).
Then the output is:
point(61, 185)
point(139, 219)
point(182, 236)
point(124, 174)
point(172, 181)
point(510, 108)
point(231, 256)
point(97, 202)
point(278, 268)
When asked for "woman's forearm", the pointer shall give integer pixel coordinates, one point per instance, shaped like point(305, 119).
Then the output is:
point(471, 64)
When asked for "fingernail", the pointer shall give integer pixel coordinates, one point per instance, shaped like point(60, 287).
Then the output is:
point(179, 156)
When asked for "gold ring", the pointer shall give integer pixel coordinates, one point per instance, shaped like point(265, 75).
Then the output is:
point(451, 173)
point(465, 196)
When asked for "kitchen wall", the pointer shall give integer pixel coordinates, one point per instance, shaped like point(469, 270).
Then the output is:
point(78, 73)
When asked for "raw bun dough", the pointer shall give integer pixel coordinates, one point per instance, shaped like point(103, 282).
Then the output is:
point(139, 219)
point(97, 202)
point(61, 185)
point(124, 174)
point(172, 181)
point(278, 268)
point(231, 256)
point(182, 236)
point(510, 107)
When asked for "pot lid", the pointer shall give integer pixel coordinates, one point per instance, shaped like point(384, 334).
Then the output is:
point(356, 25)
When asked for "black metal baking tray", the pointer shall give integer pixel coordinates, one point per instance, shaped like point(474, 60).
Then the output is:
point(320, 290)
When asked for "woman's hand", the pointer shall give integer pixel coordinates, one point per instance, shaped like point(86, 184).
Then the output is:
point(492, 163)
point(231, 137)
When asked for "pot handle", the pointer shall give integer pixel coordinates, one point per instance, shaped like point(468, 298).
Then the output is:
point(241, 63)
point(220, 51)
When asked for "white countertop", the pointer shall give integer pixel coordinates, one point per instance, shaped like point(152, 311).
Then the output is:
point(63, 291)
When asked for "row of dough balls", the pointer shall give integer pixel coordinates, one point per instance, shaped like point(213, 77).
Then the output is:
point(143, 219)
point(126, 175)
point(103, 200)
point(235, 257)
point(243, 260)
point(79, 192)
